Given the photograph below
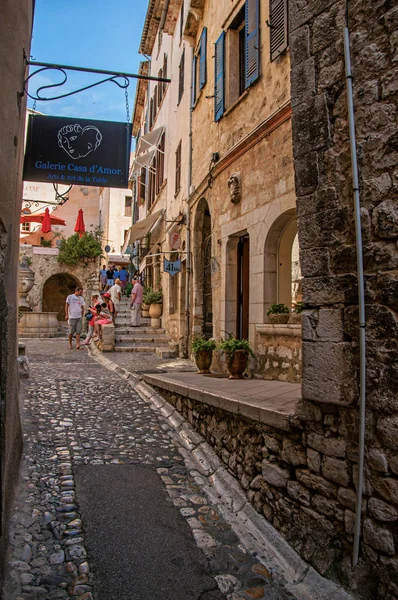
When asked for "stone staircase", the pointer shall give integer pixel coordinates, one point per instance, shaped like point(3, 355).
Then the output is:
point(140, 339)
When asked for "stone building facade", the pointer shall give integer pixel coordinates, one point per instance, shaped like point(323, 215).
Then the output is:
point(227, 177)
point(243, 205)
point(15, 33)
point(161, 126)
point(323, 179)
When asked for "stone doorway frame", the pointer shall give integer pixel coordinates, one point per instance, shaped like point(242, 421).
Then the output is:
point(272, 253)
point(199, 237)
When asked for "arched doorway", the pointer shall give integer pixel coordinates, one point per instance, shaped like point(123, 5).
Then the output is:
point(203, 255)
point(55, 291)
point(282, 276)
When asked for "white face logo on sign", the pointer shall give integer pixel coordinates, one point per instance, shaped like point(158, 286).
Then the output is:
point(78, 141)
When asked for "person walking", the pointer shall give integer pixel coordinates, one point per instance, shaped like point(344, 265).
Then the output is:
point(136, 301)
point(109, 278)
point(74, 311)
point(116, 295)
point(102, 274)
point(123, 276)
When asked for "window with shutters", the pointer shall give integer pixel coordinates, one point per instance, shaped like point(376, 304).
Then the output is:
point(160, 164)
point(178, 169)
point(182, 19)
point(238, 49)
point(194, 80)
point(151, 115)
point(164, 72)
point(155, 102)
point(136, 212)
point(141, 187)
point(160, 88)
point(181, 76)
point(152, 183)
point(199, 67)
point(236, 53)
point(128, 206)
point(219, 77)
point(278, 24)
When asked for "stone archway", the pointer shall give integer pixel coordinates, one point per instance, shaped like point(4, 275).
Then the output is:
point(55, 290)
point(280, 245)
point(203, 312)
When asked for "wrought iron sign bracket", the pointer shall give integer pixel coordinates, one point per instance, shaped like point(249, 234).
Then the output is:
point(122, 80)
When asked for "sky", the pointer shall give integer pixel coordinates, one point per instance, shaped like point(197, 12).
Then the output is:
point(102, 34)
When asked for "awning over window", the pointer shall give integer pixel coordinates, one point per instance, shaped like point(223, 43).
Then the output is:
point(143, 160)
point(140, 229)
point(150, 140)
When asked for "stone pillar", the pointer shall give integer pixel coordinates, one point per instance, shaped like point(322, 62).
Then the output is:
point(107, 343)
point(329, 410)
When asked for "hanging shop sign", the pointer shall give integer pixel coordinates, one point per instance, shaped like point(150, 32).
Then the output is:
point(77, 151)
point(171, 267)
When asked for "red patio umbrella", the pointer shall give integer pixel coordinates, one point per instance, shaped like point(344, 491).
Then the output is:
point(46, 225)
point(79, 227)
point(39, 218)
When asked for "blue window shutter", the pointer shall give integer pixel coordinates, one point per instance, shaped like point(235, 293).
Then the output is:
point(219, 102)
point(252, 57)
point(194, 67)
point(203, 57)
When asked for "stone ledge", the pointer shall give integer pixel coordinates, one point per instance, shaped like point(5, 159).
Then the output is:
point(290, 329)
point(272, 403)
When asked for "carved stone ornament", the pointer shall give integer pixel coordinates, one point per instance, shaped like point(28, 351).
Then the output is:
point(235, 187)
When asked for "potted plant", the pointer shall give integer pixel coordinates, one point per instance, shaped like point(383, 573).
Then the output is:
point(295, 317)
point(237, 353)
point(155, 300)
point(145, 304)
point(203, 352)
point(278, 314)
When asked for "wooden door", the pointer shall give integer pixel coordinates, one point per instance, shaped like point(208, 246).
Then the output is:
point(243, 265)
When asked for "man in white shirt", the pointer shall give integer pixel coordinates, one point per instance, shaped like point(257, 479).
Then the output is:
point(116, 294)
point(136, 301)
point(74, 310)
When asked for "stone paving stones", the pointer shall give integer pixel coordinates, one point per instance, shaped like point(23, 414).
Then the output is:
point(76, 413)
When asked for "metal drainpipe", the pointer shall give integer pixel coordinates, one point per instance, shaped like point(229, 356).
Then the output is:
point(188, 223)
point(361, 292)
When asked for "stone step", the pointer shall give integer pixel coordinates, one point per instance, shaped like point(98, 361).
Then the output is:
point(124, 329)
point(161, 351)
point(131, 339)
point(58, 334)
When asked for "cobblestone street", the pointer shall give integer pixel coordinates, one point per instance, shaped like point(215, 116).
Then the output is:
point(97, 461)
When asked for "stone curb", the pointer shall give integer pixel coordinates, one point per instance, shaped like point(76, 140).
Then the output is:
point(256, 533)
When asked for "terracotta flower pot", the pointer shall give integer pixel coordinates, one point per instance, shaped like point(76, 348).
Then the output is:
point(155, 311)
point(145, 310)
point(237, 364)
point(278, 318)
point(203, 360)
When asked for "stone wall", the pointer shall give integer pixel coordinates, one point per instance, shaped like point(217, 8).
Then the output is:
point(301, 480)
point(328, 258)
point(15, 32)
point(278, 352)
point(44, 266)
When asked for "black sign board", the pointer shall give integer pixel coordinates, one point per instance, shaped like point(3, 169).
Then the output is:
point(77, 151)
